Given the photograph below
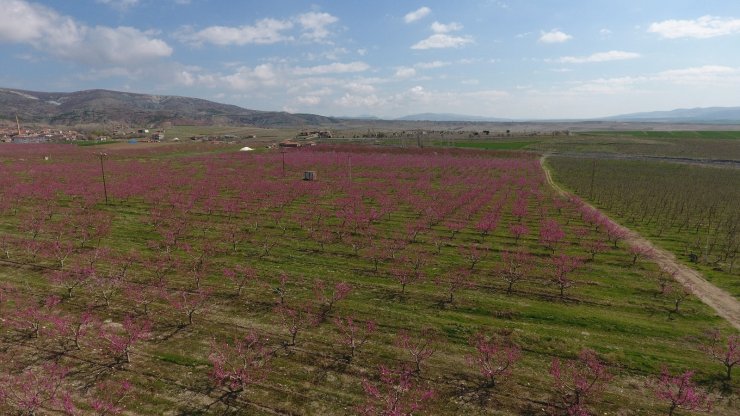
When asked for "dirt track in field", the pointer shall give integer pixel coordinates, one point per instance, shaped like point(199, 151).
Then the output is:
point(722, 302)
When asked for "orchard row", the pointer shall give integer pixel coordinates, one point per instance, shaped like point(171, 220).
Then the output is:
point(399, 282)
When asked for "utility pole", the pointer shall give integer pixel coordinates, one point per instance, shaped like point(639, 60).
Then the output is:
point(282, 151)
point(102, 171)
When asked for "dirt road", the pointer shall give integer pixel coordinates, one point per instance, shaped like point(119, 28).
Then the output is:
point(722, 302)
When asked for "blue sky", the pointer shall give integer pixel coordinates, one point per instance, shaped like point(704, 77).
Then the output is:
point(498, 58)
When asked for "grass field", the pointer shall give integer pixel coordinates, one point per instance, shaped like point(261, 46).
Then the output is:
point(691, 144)
point(719, 145)
point(692, 211)
point(689, 134)
point(186, 132)
point(179, 216)
point(490, 145)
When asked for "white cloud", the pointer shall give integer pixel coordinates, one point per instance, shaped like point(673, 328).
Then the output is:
point(417, 90)
point(607, 85)
point(63, 37)
point(360, 101)
point(246, 78)
point(701, 28)
point(431, 65)
point(309, 84)
point(427, 100)
point(322, 92)
point(446, 28)
point(359, 88)
point(121, 46)
point(405, 72)
point(332, 68)
point(700, 70)
point(343, 89)
point(441, 40)
point(121, 5)
point(316, 25)
point(162, 73)
point(263, 32)
point(598, 57)
point(702, 77)
point(417, 14)
point(326, 55)
point(185, 78)
point(605, 32)
point(25, 23)
point(702, 74)
point(308, 100)
point(554, 36)
point(583, 99)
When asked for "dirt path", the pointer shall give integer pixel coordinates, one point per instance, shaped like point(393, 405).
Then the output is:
point(722, 302)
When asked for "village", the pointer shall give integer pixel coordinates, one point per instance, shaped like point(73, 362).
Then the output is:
point(21, 134)
point(16, 134)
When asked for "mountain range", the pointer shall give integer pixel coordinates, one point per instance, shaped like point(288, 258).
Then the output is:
point(104, 106)
point(711, 115)
point(450, 117)
point(685, 115)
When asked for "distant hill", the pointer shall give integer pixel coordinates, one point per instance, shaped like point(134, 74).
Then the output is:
point(360, 117)
point(104, 106)
point(685, 115)
point(448, 117)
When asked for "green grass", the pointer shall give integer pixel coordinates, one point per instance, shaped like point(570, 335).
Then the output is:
point(493, 145)
point(186, 132)
point(614, 307)
point(85, 143)
point(688, 210)
point(684, 144)
point(178, 359)
point(676, 134)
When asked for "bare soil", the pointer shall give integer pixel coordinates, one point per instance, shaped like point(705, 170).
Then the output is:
point(722, 302)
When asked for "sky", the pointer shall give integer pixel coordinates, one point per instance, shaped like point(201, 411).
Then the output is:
point(521, 59)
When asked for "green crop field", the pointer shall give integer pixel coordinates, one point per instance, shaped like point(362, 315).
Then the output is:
point(205, 261)
point(494, 145)
point(720, 145)
point(685, 144)
point(692, 211)
point(675, 134)
point(261, 134)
